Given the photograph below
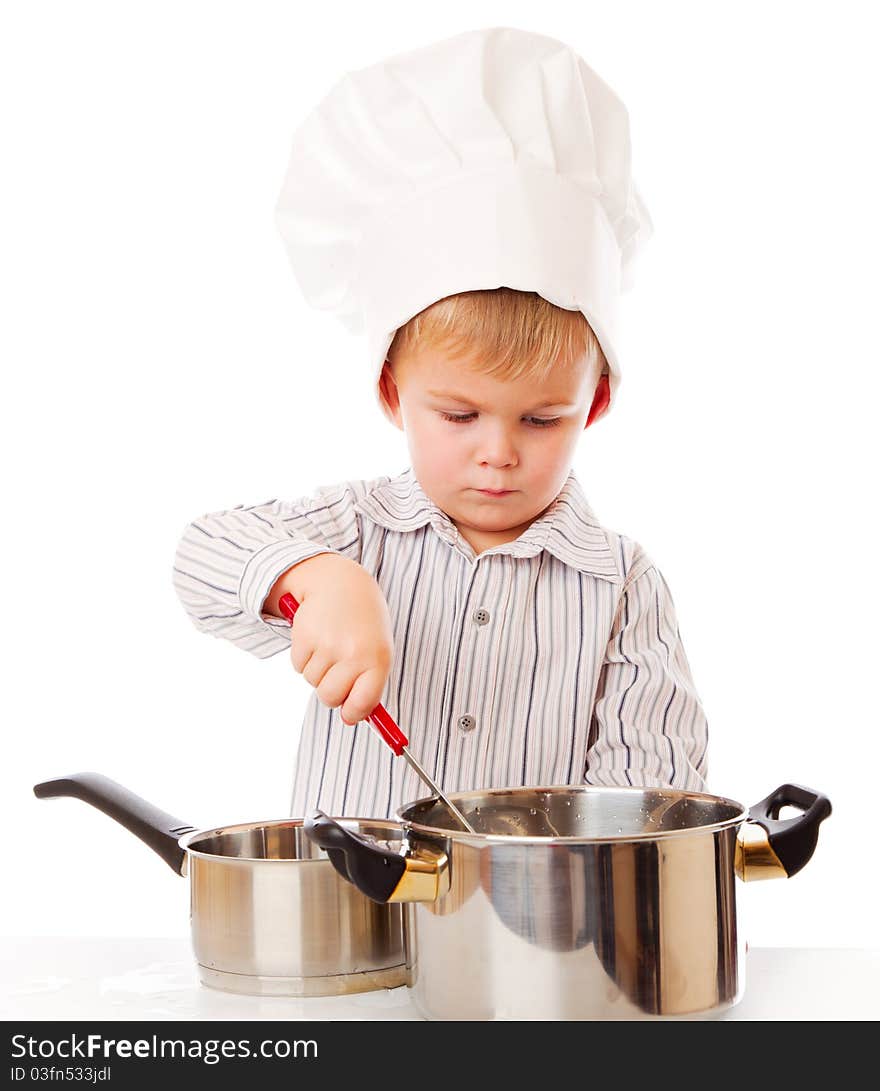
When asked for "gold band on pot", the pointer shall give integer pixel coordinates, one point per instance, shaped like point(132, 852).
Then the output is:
point(754, 857)
point(426, 877)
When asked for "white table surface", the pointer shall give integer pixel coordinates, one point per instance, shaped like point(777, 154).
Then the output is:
point(152, 979)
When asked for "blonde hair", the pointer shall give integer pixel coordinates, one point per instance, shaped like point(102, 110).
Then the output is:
point(511, 334)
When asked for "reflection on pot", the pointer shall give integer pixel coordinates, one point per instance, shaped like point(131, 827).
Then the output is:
point(651, 913)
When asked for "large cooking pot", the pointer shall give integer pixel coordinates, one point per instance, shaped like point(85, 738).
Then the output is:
point(576, 902)
point(269, 915)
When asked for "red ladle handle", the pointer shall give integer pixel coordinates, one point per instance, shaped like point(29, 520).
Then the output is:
point(380, 716)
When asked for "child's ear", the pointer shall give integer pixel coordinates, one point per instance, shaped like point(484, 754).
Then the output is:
point(601, 400)
point(390, 396)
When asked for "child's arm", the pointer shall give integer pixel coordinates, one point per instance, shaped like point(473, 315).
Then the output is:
point(227, 562)
point(231, 567)
point(648, 726)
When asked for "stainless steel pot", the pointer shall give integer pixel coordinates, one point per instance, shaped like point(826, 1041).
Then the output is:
point(576, 902)
point(269, 915)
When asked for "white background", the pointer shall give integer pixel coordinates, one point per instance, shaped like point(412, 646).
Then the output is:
point(159, 363)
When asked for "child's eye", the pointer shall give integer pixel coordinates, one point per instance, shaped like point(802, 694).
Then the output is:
point(536, 422)
point(543, 422)
point(458, 418)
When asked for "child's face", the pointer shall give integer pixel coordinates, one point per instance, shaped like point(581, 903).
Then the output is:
point(469, 432)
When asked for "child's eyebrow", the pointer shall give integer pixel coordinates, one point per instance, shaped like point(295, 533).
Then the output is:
point(453, 397)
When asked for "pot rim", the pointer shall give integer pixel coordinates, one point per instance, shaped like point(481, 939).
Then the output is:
point(187, 839)
point(516, 839)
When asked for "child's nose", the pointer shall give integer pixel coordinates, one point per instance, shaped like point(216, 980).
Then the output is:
point(497, 449)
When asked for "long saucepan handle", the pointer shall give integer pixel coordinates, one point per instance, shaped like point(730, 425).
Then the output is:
point(770, 847)
point(156, 828)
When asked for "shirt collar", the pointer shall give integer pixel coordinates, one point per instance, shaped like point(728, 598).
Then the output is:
point(568, 529)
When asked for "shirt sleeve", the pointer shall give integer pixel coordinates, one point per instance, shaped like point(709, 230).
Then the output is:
point(227, 561)
point(648, 727)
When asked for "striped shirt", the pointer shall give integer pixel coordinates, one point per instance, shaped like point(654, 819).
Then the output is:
point(552, 659)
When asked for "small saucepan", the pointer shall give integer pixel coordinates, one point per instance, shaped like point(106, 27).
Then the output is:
point(269, 915)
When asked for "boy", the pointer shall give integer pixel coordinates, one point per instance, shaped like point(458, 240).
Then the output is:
point(475, 595)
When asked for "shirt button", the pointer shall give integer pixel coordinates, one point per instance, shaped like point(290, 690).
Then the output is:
point(481, 617)
point(466, 723)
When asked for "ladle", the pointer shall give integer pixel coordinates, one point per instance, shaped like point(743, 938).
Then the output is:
point(389, 732)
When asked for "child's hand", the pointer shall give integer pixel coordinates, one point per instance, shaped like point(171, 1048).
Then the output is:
point(341, 640)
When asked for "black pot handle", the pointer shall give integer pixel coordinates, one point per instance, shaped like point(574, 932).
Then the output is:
point(156, 828)
point(792, 839)
point(374, 870)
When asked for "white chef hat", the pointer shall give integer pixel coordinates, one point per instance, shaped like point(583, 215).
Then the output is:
point(495, 157)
